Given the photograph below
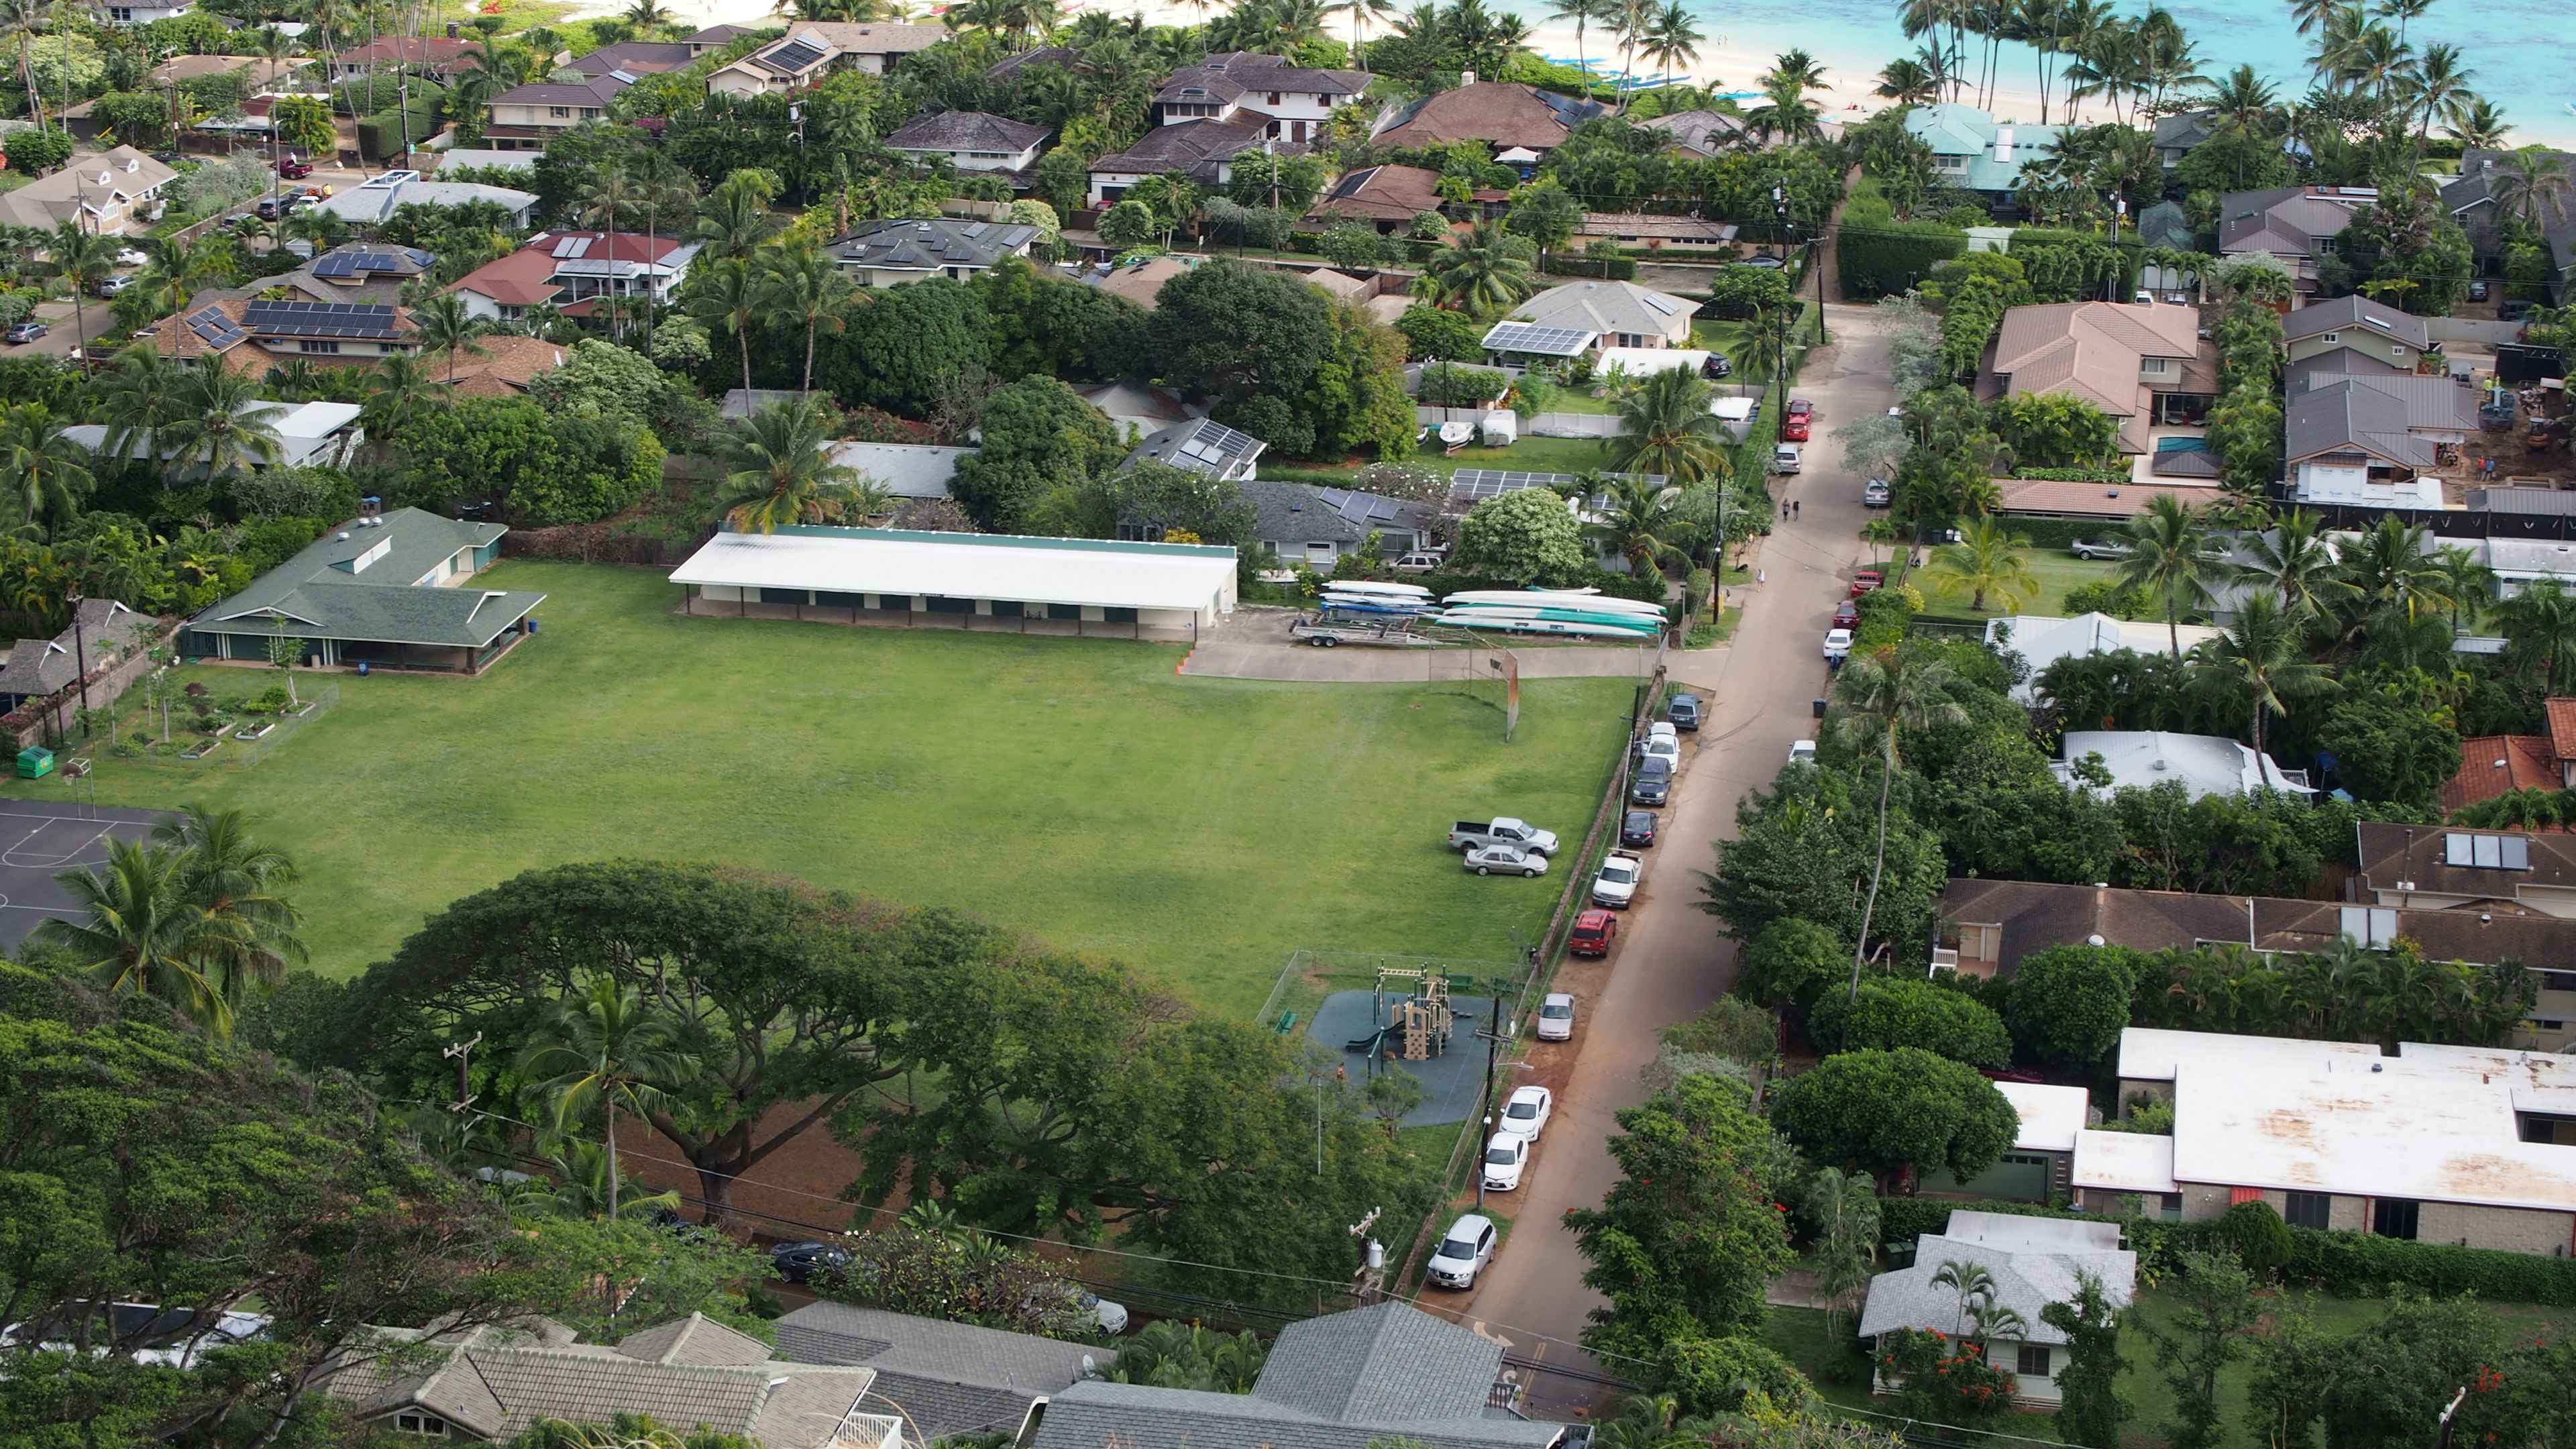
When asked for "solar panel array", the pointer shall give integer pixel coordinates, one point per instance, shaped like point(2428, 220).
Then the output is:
point(572, 246)
point(1474, 485)
point(1540, 341)
point(1358, 508)
point(1663, 304)
point(1216, 446)
point(215, 329)
point(793, 56)
point(320, 319)
point(349, 263)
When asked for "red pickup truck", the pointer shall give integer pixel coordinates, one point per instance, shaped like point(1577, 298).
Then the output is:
point(291, 169)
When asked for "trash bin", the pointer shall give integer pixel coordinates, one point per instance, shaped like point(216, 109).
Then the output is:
point(532, 625)
point(362, 669)
point(1819, 706)
point(35, 761)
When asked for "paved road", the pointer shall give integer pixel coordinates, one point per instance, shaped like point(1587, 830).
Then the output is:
point(1671, 961)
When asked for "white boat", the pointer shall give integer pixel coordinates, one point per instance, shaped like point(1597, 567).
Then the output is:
point(1565, 599)
point(1547, 626)
point(1367, 586)
point(1457, 435)
point(1640, 622)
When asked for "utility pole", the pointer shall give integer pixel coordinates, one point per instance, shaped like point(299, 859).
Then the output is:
point(1497, 1031)
point(1365, 1283)
point(80, 654)
point(462, 1053)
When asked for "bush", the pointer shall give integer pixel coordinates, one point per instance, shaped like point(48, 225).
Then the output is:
point(1730, 1027)
point(1432, 333)
point(37, 152)
point(1910, 1012)
point(1714, 1375)
point(2108, 597)
point(2069, 1004)
point(1447, 385)
point(1946, 1380)
point(1790, 961)
point(1886, 614)
point(2256, 1232)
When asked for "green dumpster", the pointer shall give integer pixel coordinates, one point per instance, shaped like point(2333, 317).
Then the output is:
point(35, 761)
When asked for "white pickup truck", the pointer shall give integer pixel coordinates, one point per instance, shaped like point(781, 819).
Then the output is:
point(1616, 885)
point(1502, 830)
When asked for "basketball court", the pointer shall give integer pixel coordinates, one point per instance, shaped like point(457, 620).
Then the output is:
point(42, 838)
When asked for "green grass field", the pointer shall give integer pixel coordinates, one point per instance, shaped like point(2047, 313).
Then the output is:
point(2056, 570)
point(1075, 789)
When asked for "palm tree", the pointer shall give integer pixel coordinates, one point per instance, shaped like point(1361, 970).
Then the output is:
point(778, 469)
point(84, 259)
point(234, 883)
point(1845, 1210)
point(660, 183)
point(399, 390)
point(1883, 694)
point(2437, 85)
point(802, 282)
point(1673, 36)
point(1973, 1282)
point(220, 422)
point(607, 1048)
point(2264, 655)
point(2479, 126)
point(135, 401)
point(441, 324)
point(2531, 187)
point(1668, 429)
point(2469, 584)
point(45, 472)
point(2298, 559)
point(1581, 12)
point(1908, 83)
point(1985, 560)
point(647, 16)
point(581, 1189)
point(2388, 569)
point(1481, 271)
point(138, 935)
point(1639, 516)
point(26, 19)
point(2401, 11)
point(2540, 623)
point(734, 220)
point(728, 294)
point(2171, 558)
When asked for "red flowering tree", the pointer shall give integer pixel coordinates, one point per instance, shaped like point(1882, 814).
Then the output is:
point(1946, 1380)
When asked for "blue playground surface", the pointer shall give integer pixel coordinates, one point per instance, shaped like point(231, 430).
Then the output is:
point(1452, 1081)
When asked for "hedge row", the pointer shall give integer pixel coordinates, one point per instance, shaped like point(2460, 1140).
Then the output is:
point(2346, 1264)
point(1617, 269)
point(380, 137)
point(1887, 260)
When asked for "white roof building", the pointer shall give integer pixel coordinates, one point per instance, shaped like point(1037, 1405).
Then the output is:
point(2051, 1117)
point(2206, 764)
point(1623, 314)
point(2043, 639)
point(319, 433)
point(909, 470)
point(377, 198)
point(998, 581)
point(2034, 1262)
point(1645, 362)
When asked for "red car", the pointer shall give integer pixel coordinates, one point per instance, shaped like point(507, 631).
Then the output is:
point(1592, 934)
point(1802, 415)
point(291, 169)
point(1846, 615)
point(1866, 580)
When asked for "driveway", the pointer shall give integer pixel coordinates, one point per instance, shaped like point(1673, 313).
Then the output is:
point(1670, 961)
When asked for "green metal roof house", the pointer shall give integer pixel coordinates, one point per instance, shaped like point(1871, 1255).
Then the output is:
point(389, 592)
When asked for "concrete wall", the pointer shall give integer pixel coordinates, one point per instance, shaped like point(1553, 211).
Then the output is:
point(2471, 329)
point(2511, 1230)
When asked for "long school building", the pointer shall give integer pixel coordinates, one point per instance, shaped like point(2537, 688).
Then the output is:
point(1067, 586)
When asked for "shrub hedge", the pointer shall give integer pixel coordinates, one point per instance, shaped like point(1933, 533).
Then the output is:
point(1885, 260)
point(2346, 1264)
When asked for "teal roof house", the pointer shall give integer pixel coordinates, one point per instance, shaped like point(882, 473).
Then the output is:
point(1970, 150)
point(393, 592)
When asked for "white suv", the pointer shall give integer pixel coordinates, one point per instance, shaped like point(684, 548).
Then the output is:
point(1785, 457)
point(1464, 1251)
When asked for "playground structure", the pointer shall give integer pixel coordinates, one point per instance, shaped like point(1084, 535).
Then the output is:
point(1422, 1022)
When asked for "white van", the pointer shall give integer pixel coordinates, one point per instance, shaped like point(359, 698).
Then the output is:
point(1785, 458)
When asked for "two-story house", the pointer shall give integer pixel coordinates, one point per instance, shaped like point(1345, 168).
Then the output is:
point(1295, 104)
point(103, 192)
point(1508, 117)
point(1199, 152)
point(2352, 335)
point(2143, 365)
point(249, 336)
point(525, 118)
point(815, 48)
point(890, 253)
point(969, 141)
point(569, 270)
point(2295, 225)
point(1973, 151)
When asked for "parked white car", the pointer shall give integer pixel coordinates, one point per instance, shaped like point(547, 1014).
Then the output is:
point(1556, 1017)
point(1664, 729)
point(1616, 885)
point(1506, 1153)
point(1509, 859)
point(1527, 1112)
point(1663, 747)
point(1464, 1251)
point(1802, 752)
point(1786, 458)
point(1837, 643)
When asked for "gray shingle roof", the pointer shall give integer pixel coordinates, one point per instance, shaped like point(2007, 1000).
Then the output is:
point(327, 592)
point(945, 1378)
point(2356, 311)
point(1294, 513)
point(1188, 148)
point(1386, 1363)
point(2348, 416)
point(931, 246)
point(2032, 1267)
point(1097, 1415)
point(965, 131)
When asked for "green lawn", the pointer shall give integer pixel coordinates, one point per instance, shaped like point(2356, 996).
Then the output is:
point(2057, 571)
point(1077, 789)
point(1529, 455)
point(1798, 1334)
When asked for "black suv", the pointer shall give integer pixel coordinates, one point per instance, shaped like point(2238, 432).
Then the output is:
point(1637, 829)
point(1684, 713)
point(799, 1262)
point(1654, 785)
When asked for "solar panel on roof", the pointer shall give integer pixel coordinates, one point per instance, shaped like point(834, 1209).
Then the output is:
point(794, 56)
point(215, 329)
point(320, 319)
point(1662, 304)
point(979, 228)
point(1538, 341)
point(572, 246)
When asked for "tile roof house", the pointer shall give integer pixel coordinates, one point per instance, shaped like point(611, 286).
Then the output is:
point(1390, 196)
point(358, 272)
point(1388, 1371)
point(2143, 365)
point(813, 49)
point(635, 58)
point(1293, 103)
point(2492, 765)
point(2034, 1262)
point(1202, 445)
point(389, 592)
point(106, 192)
point(1499, 114)
point(249, 335)
point(433, 55)
point(1623, 313)
point(1972, 151)
point(492, 1383)
point(1302, 522)
point(569, 268)
point(505, 367)
point(969, 141)
point(37, 668)
point(2291, 223)
point(890, 253)
point(946, 1379)
point(525, 118)
point(1201, 152)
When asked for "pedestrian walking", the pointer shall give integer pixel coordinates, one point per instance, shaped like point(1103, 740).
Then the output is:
point(1798, 508)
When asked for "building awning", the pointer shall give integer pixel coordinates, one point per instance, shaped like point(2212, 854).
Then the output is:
point(1095, 572)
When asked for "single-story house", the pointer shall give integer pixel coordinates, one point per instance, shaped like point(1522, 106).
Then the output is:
point(2033, 1262)
point(1989, 927)
point(947, 1380)
point(2295, 225)
point(1621, 314)
point(2205, 764)
point(813, 49)
point(106, 192)
point(1706, 135)
point(314, 434)
point(1502, 115)
point(435, 56)
point(2104, 503)
point(743, 402)
point(2440, 1144)
point(1140, 282)
point(1389, 197)
point(477, 158)
point(890, 253)
point(1136, 407)
point(1199, 152)
point(504, 368)
point(2043, 639)
point(493, 1383)
point(908, 470)
point(969, 141)
point(392, 592)
point(1387, 1372)
point(1203, 445)
point(963, 580)
point(1060, 57)
point(1654, 231)
point(2040, 1164)
point(376, 199)
point(1317, 526)
point(2145, 366)
point(36, 668)
point(2352, 335)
